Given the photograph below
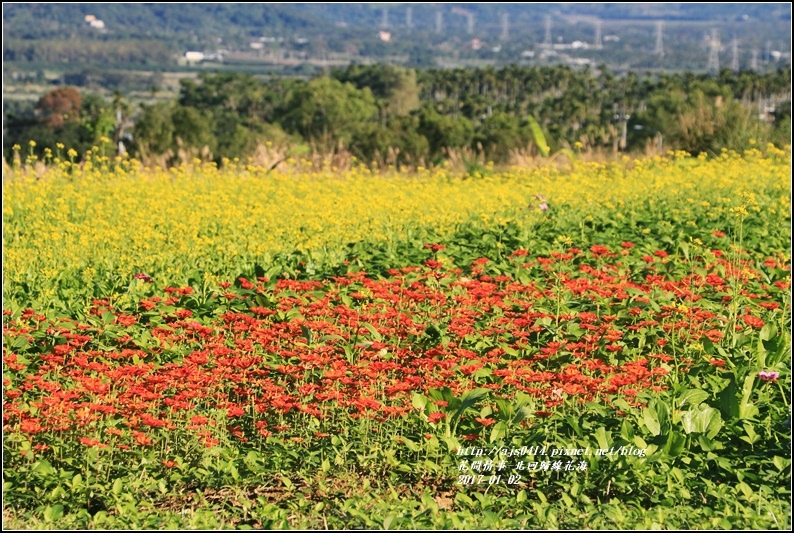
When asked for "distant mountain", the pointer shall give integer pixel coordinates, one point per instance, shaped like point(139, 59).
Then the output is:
point(37, 21)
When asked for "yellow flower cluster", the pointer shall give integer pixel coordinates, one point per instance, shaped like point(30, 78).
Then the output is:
point(107, 219)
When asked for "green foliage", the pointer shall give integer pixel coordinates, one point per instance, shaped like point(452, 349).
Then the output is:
point(443, 131)
point(193, 128)
point(538, 136)
point(154, 130)
point(500, 134)
point(328, 111)
point(386, 113)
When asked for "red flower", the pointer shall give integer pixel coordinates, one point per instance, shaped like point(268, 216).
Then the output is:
point(92, 443)
point(713, 335)
point(142, 438)
point(125, 320)
point(486, 421)
point(234, 411)
point(753, 321)
point(719, 234)
point(31, 427)
point(597, 249)
point(436, 417)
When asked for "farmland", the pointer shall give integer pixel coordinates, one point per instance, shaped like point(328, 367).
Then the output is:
point(306, 347)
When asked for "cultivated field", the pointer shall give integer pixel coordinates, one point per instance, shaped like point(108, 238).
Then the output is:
point(602, 346)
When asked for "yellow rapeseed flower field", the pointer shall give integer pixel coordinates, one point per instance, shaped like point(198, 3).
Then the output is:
point(109, 219)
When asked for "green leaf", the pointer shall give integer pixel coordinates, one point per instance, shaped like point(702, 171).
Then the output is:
point(375, 333)
point(651, 420)
point(746, 408)
point(693, 397)
point(44, 468)
point(538, 136)
point(728, 401)
point(768, 332)
point(419, 401)
point(498, 431)
point(675, 444)
point(602, 438)
point(468, 399)
point(699, 420)
point(780, 462)
point(411, 445)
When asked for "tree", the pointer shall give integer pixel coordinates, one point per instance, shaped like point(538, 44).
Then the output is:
point(193, 128)
point(445, 131)
point(500, 134)
point(328, 111)
point(154, 130)
point(59, 106)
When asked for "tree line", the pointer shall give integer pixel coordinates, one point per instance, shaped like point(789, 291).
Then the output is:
point(420, 116)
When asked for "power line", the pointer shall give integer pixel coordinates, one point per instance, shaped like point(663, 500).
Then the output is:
point(547, 38)
point(659, 51)
point(598, 44)
point(714, 52)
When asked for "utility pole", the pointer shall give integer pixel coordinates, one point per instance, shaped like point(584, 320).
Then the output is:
point(439, 21)
point(754, 60)
point(505, 27)
point(385, 20)
point(409, 17)
point(470, 23)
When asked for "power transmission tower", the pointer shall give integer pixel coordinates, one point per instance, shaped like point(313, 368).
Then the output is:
point(409, 17)
point(659, 51)
point(735, 54)
point(439, 21)
point(754, 60)
point(598, 44)
point(547, 38)
point(384, 23)
point(505, 27)
point(714, 52)
point(470, 22)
